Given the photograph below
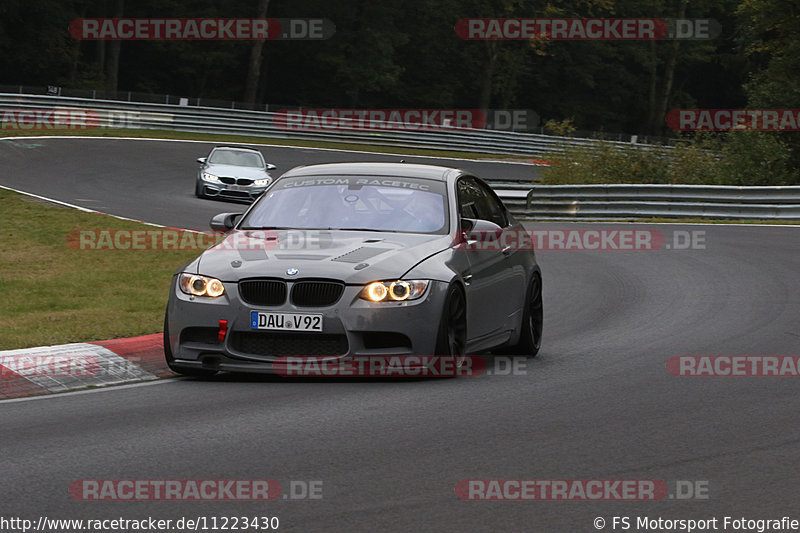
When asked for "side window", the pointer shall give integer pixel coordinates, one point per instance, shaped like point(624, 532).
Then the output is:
point(474, 201)
point(469, 196)
point(494, 209)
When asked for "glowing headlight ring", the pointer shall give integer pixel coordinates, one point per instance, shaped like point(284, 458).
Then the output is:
point(406, 290)
point(377, 291)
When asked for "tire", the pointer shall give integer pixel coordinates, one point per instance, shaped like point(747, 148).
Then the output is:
point(451, 338)
point(530, 338)
point(184, 371)
point(198, 190)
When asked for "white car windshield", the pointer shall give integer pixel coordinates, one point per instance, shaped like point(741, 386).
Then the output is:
point(237, 158)
point(353, 203)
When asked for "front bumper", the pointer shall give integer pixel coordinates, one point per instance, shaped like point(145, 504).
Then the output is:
point(351, 327)
point(221, 190)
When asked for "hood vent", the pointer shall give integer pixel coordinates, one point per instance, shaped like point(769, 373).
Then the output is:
point(360, 254)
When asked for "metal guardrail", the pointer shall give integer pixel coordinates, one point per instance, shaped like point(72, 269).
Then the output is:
point(645, 201)
point(140, 115)
point(156, 98)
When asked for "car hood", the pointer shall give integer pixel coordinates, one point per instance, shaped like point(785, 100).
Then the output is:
point(236, 171)
point(353, 257)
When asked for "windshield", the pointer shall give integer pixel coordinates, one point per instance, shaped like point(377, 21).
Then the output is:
point(237, 158)
point(404, 205)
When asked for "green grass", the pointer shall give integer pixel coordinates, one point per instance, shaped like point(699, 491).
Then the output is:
point(54, 294)
point(246, 139)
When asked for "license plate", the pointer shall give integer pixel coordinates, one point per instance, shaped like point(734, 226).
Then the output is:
point(285, 321)
point(236, 187)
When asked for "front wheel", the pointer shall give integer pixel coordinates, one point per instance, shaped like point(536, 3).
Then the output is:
point(451, 339)
point(198, 189)
point(192, 372)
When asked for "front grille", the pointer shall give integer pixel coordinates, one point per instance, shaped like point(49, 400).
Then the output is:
point(263, 291)
point(316, 293)
point(289, 344)
point(235, 181)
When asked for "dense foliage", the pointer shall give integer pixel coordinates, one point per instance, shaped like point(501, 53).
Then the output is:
point(400, 54)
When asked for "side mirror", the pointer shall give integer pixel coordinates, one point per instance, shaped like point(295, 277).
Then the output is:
point(474, 229)
point(270, 166)
point(201, 160)
point(224, 222)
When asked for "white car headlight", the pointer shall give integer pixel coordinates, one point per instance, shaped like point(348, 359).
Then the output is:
point(196, 285)
point(394, 291)
point(262, 182)
point(211, 177)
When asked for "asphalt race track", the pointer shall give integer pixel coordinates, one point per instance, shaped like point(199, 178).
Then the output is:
point(154, 181)
point(598, 402)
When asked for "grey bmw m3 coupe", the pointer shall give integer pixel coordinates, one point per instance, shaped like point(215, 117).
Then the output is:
point(356, 259)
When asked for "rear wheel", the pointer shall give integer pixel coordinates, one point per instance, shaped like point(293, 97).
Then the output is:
point(530, 338)
point(451, 339)
point(193, 372)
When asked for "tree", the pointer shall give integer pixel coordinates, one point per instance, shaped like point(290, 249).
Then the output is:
point(769, 31)
point(254, 64)
point(114, 48)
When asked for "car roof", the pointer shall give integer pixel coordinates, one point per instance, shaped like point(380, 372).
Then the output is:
point(408, 170)
point(237, 148)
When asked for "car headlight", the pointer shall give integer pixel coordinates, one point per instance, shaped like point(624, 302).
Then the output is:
point(196, 285)
point(211, 177)
point(262, 182)
point(394, 291)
